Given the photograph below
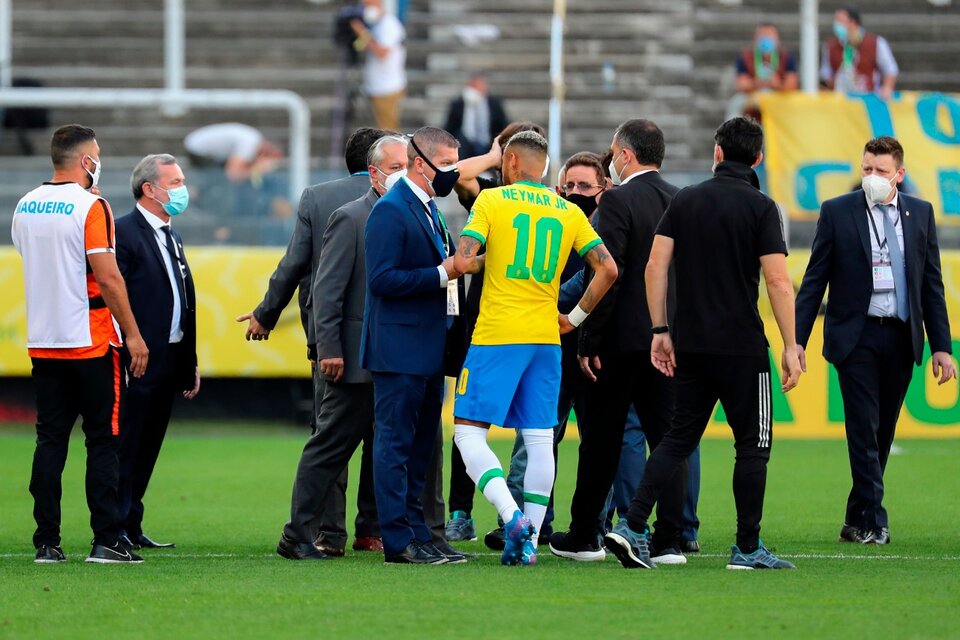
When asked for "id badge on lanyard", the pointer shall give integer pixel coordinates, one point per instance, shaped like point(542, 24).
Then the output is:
point(883, 274)
point(882, 268)
point(453, 298)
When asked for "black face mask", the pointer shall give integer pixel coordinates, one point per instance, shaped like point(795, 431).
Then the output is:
point(443, 181)
point(587, 203)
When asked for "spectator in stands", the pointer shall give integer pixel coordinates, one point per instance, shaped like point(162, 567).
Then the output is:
point(764, 66)
point(233, 159)
point(384, 75)
point(855, 60)
point(475, 117)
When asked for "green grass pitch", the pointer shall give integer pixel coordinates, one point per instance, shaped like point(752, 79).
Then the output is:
point(222, 493)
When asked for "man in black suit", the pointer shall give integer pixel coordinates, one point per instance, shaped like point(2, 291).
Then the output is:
point(297, 268)
point(345, 417)
point(877, 250)
point(614, 350)
point(160, 286)
point(475, 117)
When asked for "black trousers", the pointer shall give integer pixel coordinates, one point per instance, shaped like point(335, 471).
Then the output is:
point(144, 417)
point(873, 382)
point(65, 390)
point(333, 513)
point(344, 421)
point(742, 385)
point(622, 380)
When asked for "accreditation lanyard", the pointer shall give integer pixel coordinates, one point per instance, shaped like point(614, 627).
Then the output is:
point(453, 296)
point(882, 269)
point(762, 71)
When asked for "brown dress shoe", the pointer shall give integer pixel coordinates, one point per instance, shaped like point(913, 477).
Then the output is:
point(368, 543)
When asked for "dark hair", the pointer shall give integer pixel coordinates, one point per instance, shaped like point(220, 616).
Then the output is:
point(605, 160)
point(425, 142)
point(886, 145)
point(644, 138)
point(586, 159)
point(65, 141)
point(514, 128)
point(741, 140)
point(530, 140)
point(358, 144)
point(853, 12)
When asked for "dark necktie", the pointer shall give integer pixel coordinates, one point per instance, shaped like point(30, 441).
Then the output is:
point(437, 229)
point(896, 261)
point(177, 263)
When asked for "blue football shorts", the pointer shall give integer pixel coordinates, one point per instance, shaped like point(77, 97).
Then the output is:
point(510, 385)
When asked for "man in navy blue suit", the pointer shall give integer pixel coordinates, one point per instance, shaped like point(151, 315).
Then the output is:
point(151, 258)
point(877, 250)
point(409, 273)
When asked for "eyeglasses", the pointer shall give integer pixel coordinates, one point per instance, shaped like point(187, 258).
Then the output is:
point(582, 187)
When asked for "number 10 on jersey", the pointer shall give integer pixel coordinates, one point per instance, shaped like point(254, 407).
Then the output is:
point(546, 249)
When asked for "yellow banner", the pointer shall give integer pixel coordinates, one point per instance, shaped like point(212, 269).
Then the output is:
point(814, 143)
point(232, 281)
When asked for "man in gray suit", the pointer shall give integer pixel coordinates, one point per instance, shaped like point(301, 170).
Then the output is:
point(345, 415)
point(297, 268)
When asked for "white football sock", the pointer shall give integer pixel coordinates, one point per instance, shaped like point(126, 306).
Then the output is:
point(484, 468)
point(538, 479)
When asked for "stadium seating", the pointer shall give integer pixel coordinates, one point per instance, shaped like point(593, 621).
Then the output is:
point(672, 61)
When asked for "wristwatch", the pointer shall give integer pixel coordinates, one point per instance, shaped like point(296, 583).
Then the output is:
point(662, 329)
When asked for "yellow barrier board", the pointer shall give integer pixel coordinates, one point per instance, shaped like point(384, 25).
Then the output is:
point(814, 143)
point(232, 281)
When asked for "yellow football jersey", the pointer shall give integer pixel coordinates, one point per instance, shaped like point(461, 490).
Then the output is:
point(529, 231)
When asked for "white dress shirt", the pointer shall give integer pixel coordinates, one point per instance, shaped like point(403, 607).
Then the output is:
point(634, 175)
point(176, 332)
point(884, 303)
point(425, 199)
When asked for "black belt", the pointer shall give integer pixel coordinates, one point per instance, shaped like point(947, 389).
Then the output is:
point(886, 320)
point(97, 302)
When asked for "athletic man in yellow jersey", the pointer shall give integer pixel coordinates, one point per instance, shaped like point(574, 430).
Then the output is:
point(511, 376)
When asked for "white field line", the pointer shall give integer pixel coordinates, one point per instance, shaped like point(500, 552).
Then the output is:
point(802, 556)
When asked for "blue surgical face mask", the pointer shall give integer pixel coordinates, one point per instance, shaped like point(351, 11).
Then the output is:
point(179, 199)
point(841, 31)
point(766, 45)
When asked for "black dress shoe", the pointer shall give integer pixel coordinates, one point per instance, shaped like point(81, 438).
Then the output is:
point(291, 550)
point(452, 555)
point(416, 553)
point(147, 543)
point(877, 536)
point(850, 533)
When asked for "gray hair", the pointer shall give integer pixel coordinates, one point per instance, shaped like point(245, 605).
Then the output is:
point(148, 170)
point(376, 153)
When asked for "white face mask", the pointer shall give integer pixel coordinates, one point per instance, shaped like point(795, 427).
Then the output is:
point(471, 95)
point(614, 176)
point(95, 174)
point(546, 169)
point(877, 188)
point(393, 179)
point(372, 15)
